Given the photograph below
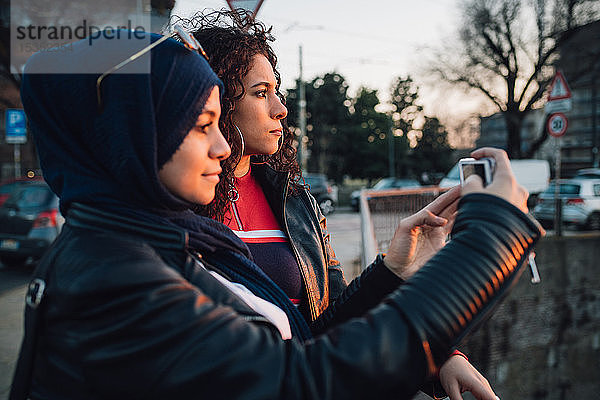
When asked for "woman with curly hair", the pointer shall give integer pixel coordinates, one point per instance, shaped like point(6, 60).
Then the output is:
point(261, 195)
point(262, 199)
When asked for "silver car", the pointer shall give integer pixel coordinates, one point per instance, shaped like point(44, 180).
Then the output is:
point(581, 203)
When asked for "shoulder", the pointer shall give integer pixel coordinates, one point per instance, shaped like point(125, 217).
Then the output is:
point(85, 260)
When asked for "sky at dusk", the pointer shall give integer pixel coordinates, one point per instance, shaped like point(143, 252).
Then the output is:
point(368, 42)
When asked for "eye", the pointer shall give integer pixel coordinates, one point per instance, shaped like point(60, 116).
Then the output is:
point(261, 93)
point(202, 127)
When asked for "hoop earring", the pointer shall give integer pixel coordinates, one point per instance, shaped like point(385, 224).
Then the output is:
point(232, 194)
point(242, 143)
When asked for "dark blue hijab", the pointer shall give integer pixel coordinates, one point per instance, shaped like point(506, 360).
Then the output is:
point(113, 157)
point(110, 159)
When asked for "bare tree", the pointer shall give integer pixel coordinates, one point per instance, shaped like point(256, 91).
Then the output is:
point(506, 50)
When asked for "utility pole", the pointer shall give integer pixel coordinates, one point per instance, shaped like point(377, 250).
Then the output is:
point(595, 155)
point(392, 170)
point(301, 116)
point(17, 160)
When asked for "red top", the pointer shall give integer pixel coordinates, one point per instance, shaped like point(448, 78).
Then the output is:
point(251, 218)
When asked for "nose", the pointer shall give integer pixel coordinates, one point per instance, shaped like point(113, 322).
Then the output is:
point(219, 148)
point(278, 110)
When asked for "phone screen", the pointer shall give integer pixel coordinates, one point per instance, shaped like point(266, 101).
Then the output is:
point(477, 169)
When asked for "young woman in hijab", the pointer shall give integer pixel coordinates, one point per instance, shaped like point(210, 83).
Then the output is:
point(261, 197)
point(141, 298)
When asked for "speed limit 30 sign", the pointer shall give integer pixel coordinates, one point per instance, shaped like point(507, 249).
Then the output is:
point(557, 124)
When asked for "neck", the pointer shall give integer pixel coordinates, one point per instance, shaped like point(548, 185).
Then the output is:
point(243, 167)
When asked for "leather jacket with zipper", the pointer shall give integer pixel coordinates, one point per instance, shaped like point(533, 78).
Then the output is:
point(301, 219)
point(129, 313)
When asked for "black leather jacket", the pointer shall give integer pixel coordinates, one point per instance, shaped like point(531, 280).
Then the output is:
point(301, 218)
point(129, 313)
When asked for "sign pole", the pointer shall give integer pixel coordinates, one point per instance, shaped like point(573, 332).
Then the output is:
point(301, 115)
point(557, 199)
point(17, 160)
point(558, 101)
point(557, 126)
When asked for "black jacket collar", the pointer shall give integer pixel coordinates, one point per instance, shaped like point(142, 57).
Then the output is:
point(165, 237)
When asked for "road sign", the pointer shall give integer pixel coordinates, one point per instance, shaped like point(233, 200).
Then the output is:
point(16, 129)
point(557, 124)
point(559, 89)
point(558, 106)
point(559, 95)
point(249, 5)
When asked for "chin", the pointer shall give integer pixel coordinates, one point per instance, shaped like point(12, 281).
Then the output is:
point(272, 150)
point(205, 198)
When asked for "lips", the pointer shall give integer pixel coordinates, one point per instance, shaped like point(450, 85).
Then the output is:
point(216, 172)
point(277, 131)
point(214, 178)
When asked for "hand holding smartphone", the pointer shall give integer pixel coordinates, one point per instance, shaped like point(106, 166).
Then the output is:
point(483, 167)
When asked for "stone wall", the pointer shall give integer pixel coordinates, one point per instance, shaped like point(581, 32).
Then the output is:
point(543, 342)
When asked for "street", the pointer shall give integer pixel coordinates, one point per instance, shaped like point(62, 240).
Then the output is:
point(344, 227)
point(12, 292)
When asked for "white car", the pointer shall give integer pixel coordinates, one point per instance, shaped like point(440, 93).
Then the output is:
point(581, 203)
point(533, 175)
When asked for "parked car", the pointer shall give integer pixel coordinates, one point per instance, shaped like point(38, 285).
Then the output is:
point(6, 187)
point(591, 173)
point(581, 203)
point(384, 184)
point(533, 175)
point(29, 223)
point(322, 191)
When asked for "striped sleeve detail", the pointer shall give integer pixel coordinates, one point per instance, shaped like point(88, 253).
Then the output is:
point(262, 236)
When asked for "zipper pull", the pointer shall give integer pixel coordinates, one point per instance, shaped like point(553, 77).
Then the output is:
point(535, 274)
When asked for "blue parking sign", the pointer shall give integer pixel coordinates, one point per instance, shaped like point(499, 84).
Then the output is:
point(16, 128)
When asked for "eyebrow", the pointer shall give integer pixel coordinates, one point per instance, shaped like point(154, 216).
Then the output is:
point(212, 112)
point(262, 83)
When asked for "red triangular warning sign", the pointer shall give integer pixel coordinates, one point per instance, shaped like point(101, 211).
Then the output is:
point(249, 5)
point(559, 89)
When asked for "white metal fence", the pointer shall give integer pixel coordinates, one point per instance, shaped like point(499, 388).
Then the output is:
point(382, 211)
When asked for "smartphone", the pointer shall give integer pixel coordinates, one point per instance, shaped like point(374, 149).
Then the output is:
point(484, 167)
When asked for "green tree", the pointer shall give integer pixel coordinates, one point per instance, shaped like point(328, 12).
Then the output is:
point(404, 111)
point(432, 152)
point(327, 118)
point(366, 139)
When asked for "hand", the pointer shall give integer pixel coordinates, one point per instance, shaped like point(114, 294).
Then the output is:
point(503, 184)
point(420, 236)
point(457, 376)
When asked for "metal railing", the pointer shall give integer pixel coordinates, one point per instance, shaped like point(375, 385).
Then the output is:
point(382, 211)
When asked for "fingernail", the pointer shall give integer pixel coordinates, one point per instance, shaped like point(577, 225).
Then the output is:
point(497, 398)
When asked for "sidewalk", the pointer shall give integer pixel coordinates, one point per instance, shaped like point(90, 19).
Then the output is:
point(11, 330)
point(344, 228)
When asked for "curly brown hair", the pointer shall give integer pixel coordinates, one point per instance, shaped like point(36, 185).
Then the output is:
point(231, 39)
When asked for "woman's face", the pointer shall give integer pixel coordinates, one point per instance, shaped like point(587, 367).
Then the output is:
point(258, 114)
point(193, 171)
